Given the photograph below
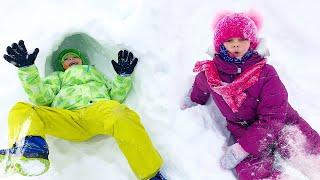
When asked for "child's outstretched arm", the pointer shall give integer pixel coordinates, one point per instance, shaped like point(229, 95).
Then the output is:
point(120, 88)
point(200, 92)
point(39, 92)
point(273, 101)
point(123, 81)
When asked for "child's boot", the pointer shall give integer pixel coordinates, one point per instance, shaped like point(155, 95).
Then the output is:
point(31, 159)
point(158, 176)
point(5, 159)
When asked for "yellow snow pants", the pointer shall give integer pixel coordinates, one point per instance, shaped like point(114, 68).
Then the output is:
point(101, 118)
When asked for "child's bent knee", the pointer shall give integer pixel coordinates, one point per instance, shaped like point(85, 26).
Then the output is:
point(21, 105)
point(20, 113)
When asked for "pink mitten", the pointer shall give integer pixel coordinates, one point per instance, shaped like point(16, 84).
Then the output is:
point(233, 156)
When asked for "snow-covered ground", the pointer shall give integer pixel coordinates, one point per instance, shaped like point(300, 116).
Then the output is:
point(168, 36)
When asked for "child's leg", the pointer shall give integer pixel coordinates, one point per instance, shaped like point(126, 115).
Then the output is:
point(28, 126)
point(302, 145)
point(312, 138)
point(29, 120)
point(117, 120)
point(257, 168)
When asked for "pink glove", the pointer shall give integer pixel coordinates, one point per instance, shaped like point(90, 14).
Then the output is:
point(233, 156)
point(187, 102)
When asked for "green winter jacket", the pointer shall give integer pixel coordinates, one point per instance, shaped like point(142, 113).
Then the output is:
point(79, 86)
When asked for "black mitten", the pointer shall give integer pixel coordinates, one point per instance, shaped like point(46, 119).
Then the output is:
point(18, 55)
point(126, 63)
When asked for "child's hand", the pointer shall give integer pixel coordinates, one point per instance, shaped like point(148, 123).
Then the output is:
point(187, 102)
point(18, 55)
point(126, 63)
point(233, 156)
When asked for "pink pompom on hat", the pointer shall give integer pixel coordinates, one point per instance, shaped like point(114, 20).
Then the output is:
point(241, 25)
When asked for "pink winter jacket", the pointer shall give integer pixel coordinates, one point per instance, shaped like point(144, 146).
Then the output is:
point(262, 115)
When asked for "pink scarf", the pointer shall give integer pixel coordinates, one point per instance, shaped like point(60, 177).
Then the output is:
point(232, 93)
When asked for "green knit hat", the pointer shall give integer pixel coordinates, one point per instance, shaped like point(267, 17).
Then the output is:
point(67, 52)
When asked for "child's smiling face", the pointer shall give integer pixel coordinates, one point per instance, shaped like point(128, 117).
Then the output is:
point(71, 60)
point(237, 47)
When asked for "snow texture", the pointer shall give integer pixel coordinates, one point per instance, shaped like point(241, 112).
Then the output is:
point(168, 37)
point(32, 167)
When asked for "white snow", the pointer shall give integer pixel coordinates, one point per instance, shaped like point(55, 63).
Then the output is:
point(306, 163)
point(32, 167)
point(168, 37)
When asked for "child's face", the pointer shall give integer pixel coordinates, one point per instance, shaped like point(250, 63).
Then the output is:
point(71, 60)
point(237, 47)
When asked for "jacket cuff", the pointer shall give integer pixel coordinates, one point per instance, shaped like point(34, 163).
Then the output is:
point(256, 140)
point(198, 98)
point(28, 68)
point(123, 79)
point(25, 72)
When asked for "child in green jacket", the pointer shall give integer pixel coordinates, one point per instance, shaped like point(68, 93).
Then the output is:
point(75, 103)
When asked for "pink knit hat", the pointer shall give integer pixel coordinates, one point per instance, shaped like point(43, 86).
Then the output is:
point(242, 25)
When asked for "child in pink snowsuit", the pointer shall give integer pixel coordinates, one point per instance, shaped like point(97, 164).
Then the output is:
point(252, 98)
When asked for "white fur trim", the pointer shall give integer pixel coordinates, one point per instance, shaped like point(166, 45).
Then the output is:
point(262, 48)
point(211, 51)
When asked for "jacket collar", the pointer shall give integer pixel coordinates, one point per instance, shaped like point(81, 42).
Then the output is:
point(230, 68)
